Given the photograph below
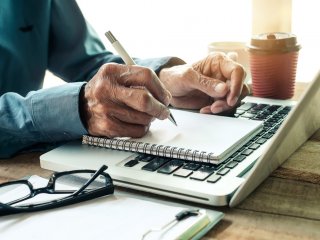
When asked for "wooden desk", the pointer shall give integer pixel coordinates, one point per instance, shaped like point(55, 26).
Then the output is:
point(285, 206)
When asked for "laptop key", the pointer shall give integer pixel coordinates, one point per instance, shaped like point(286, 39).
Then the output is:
point(273, 108)
point(240, 111)
point(254, 146)
point(202, 173)
point(272, 131)
point(170, 167)
point(213, 178)
point(260, 106)
point(131, 163)
point(223, 171)
point(155, 164)
point(239, 158)
point(192, 166)
point(248, 115)
point(146, 158)
point(201, 176)
point(268, 135)
point(182, 173)
point(140, 156)
point(232, 164)
point(235, 154)
point(247, 152)
point(286, 109)
point(246, 106)
point(241, 149)
point(261, 140)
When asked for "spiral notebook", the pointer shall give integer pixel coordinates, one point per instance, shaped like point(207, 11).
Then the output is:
point(198, 137)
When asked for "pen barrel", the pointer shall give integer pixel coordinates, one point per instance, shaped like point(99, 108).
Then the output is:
point(125, 56)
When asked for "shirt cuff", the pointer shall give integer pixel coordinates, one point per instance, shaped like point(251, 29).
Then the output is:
point(156, 64)
point(56, 112)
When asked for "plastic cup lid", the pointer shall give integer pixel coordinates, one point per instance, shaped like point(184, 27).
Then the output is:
point(275, 42)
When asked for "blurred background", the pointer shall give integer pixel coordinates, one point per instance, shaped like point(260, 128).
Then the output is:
point(155, 28)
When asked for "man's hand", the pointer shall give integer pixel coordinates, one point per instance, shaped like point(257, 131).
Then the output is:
point(213, 85)
point(122, 100)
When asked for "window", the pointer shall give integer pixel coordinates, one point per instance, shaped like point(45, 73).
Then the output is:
point(154, 28)
point(150, 28)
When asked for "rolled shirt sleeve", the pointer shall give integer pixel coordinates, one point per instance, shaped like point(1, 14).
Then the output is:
point(56, 112)
point(43, 116)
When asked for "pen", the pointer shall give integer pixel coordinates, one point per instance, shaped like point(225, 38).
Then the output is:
point(129, 61)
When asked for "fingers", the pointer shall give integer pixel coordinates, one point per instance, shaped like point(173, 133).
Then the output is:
point(120, 101)
point(140, 77)
point(213, 71)
point(210, 86)
point(128, 115)
point(113, 120)
point(138, 88)
point(221, 106)
point(142, 101)
point(113, 127)
point(235, 72)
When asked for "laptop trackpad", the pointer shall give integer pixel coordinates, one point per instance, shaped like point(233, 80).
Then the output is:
point(76, 154)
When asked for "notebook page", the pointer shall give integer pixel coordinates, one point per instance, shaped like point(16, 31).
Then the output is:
point(201, 132)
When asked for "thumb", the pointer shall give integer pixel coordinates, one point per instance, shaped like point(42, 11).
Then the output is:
point(211, 86)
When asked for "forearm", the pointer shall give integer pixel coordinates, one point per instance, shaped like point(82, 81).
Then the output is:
point(44, 116)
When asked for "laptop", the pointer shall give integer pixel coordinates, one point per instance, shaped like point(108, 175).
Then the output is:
point(287, 125)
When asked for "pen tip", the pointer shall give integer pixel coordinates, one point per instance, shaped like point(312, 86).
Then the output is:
point(172, 120)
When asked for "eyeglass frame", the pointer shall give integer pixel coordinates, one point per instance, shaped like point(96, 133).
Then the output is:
point(76, 196)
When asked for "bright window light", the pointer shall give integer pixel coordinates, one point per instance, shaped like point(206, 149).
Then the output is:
point(154, 28)
point(184, 28)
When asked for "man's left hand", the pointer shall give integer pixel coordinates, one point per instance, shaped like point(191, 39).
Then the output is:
point(213, 85)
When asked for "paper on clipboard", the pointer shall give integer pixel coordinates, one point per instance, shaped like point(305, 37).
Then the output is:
point(110, 217)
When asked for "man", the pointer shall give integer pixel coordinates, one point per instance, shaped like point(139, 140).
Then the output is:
point(103, 97)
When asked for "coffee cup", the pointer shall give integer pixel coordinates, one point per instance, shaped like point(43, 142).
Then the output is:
point(273, 59)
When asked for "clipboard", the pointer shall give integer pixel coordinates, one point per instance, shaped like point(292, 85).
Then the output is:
point(111, 217)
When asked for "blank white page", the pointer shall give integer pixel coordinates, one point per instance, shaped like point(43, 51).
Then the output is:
point(202, 132)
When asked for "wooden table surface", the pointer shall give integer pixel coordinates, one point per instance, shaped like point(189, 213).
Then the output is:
point(285, 206)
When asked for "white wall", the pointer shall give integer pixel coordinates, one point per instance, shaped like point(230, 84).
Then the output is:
point(306, 25)
point(184, 28)
point(149, 28)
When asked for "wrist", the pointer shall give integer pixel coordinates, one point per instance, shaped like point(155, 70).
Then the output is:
point(83, 105)
point(173, 61)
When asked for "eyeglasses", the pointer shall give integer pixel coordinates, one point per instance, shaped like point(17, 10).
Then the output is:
point(86, 185)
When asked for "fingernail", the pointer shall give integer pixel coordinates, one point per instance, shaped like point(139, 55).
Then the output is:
point(167, 99)
point(165, 114)
point(234, 101)
point(217, 110)
point(220, 87)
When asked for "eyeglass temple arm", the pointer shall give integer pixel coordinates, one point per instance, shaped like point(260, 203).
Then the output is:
point(95, 175)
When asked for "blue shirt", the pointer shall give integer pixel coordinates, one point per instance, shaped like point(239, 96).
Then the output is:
point(40, 35)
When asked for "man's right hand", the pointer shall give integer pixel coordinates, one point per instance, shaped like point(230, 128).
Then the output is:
point(121, 101)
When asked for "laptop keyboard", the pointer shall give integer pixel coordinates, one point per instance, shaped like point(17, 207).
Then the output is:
point(271, 115)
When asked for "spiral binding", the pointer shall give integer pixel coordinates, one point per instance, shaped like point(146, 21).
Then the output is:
point(147, 148)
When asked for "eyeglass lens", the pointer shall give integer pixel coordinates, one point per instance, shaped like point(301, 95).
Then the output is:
point(22, 190)
point(76, 180)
